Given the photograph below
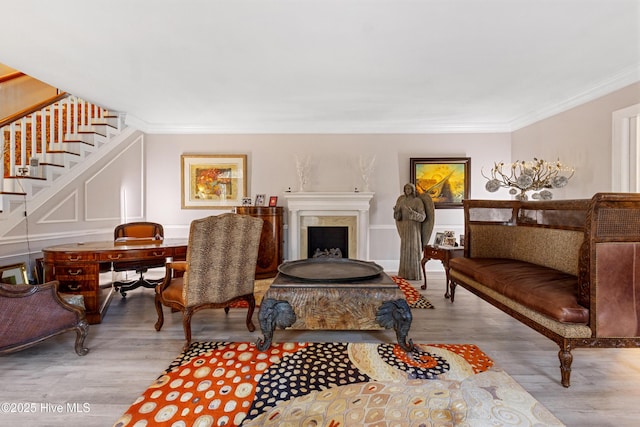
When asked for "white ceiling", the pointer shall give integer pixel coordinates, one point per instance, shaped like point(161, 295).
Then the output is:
point(327, 66)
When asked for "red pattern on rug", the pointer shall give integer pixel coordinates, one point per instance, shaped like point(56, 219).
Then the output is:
point(414, 298)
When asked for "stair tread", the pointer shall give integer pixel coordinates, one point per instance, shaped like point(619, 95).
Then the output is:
point(38, 178)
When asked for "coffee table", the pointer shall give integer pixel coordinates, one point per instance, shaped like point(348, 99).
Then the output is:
point(334, 294)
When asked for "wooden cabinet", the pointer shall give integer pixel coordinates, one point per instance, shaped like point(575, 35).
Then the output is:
point(271, 239)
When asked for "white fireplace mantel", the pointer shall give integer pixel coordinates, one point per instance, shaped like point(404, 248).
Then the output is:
point(328, 204)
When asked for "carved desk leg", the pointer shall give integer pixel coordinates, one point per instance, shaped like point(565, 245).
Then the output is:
point(397, 315)
point(273, 314)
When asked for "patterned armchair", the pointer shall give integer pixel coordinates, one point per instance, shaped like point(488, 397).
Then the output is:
point(220, 268)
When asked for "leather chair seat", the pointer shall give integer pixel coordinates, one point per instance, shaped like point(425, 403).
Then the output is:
point(173, 292)
point(545, 290)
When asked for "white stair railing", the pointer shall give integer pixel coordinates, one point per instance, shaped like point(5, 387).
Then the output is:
point(41, 136)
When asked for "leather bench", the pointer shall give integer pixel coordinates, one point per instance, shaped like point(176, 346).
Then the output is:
point(566, 268)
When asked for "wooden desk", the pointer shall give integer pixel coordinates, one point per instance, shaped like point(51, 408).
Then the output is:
point(442, 254)
point(77, 267)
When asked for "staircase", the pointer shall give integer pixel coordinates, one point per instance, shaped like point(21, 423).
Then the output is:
point(46, 142)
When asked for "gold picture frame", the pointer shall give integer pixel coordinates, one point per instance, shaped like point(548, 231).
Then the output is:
point(14, 274)
point(213, 181)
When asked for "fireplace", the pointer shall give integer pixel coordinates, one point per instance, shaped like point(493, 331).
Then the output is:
point(328, 209)
point(328, 241)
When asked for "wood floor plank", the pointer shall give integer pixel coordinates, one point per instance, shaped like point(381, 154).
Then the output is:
point(127, 354)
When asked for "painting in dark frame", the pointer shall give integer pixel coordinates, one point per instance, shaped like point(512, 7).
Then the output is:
point(445, 179)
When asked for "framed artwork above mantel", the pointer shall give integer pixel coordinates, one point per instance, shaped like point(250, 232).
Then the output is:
point(213, 181)
point(444, 179)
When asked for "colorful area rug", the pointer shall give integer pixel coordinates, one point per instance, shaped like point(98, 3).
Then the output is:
point(414, 298)
point(334, 384)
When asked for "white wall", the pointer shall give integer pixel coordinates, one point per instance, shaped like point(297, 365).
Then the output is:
point(271, 171)
point(86, 204)
point(580, 137)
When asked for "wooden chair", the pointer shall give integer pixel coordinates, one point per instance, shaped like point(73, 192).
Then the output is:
point(220, 269)
point(137, 233)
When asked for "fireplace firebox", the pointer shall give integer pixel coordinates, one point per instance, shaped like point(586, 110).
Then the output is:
point(327, 240)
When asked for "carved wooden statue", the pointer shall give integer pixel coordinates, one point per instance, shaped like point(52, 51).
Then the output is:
point(414, 215)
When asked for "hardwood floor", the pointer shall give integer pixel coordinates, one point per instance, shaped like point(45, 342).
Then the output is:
point(127, 354)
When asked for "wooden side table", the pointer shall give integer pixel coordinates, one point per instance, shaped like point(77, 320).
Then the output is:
point(444, 254)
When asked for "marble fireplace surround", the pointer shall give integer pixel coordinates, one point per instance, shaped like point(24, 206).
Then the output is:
point(328, 209)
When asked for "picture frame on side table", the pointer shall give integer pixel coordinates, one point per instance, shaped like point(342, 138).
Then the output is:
point(445, 179)
point(273, 201)
point(260, 199)
point(439, 239)
point(14, 274)
point(213, 181)
point(246, 201)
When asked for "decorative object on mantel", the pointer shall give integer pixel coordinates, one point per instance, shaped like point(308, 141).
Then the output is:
point(537, 175)
point(303, 168)
point(367, 165)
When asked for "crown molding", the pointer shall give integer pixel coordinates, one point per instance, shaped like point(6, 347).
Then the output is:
point(324, 128)
point(626, 77)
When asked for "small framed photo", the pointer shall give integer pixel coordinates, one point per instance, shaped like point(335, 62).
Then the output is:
point(273, 201)
point(449, 238)
point(260, 199)
point(449, 241)
point(439, 239)
point(15, 274)
point(246, 201)
point(462, 240)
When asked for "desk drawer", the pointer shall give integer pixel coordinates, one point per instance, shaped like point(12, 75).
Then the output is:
point(77, 278)
point(434, 253)
point(70, 257)
point(136, 254)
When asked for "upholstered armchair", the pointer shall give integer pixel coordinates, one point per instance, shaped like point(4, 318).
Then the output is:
point(133, 233)
point(220, 268)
